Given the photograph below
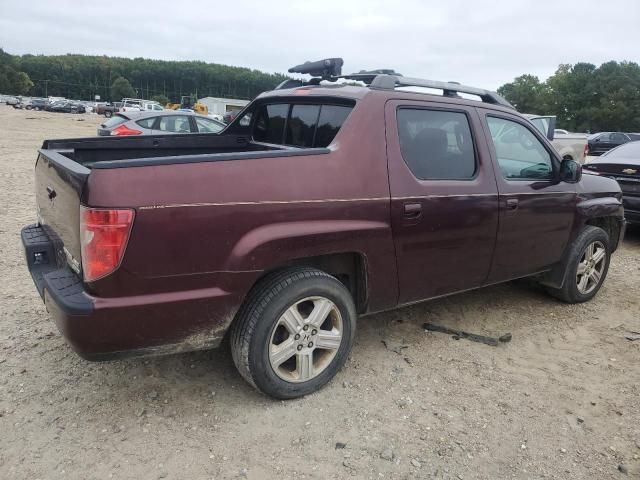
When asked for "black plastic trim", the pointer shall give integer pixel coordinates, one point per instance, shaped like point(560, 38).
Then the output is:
point(62, 285)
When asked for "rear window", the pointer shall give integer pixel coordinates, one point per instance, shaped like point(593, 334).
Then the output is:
point(115, 121)
point(269, 126)
point(299, 125)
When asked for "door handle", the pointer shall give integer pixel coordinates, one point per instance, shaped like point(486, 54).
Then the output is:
point(512, 204)
point(412, 210)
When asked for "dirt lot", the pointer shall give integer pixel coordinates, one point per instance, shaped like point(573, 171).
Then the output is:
point(562, 400)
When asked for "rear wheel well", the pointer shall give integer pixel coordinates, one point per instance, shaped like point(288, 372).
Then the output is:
point(609, 225)
point(348, 267)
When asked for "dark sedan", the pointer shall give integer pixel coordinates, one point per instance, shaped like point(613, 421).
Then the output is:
point(623, 165)
point(66, 107)
point(599, 143)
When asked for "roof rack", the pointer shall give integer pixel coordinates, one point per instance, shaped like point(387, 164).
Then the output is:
point(330, 69)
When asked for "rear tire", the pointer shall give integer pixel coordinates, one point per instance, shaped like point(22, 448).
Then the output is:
point(272, 338)
point(108, 114)
point(587, 266)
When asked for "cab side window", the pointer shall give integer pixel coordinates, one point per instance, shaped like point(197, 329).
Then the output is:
point(521, 156)
point(436, 144)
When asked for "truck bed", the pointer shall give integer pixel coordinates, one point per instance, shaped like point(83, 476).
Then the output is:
point(118, 152)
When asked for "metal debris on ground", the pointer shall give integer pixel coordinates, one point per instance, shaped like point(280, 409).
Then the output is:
point(458, 334)
point(632, 336)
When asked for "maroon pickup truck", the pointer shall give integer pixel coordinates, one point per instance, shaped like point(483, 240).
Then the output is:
point(319, 203)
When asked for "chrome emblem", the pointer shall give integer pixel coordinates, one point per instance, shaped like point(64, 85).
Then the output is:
point(630, 171)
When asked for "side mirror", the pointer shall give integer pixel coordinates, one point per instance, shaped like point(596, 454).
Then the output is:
point(570, 171)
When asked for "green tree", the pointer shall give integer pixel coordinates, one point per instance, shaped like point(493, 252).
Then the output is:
point(22, 83)
point(121, 88)
point(583, 97)
point(161, 99)
point(526, 93)
point(12, 80)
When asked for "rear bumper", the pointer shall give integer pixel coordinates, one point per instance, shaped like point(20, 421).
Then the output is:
point(99, 328)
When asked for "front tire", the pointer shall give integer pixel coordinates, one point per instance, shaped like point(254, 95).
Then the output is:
point(587, 266)
point(294, 332)
point(108, 114)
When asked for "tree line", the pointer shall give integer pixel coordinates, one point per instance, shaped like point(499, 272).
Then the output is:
point(585, 98)
point(84, 76)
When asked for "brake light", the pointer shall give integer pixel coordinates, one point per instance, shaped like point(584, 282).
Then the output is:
point(103, 239)
point(586, 150)
point(124, 130)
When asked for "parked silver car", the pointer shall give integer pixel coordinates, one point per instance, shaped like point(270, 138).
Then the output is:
point(158, 123)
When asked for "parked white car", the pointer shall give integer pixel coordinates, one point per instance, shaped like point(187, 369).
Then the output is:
point(139, 105)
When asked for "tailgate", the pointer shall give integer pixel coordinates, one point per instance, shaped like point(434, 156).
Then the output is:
point(59, 183)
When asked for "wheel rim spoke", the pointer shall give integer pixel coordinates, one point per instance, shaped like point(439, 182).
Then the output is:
point(304, 365)
point(588, 253)
point(329, 339)
point(292, 320)
point(582, 284)
point(321, 309)
point(283, 352)
point(582, 268)
point(595, 276)
point(599, 255)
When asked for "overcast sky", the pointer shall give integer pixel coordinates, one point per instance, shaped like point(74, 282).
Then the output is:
point(479, 42)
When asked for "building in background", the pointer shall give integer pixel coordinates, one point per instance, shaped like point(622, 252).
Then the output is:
point(218, 107)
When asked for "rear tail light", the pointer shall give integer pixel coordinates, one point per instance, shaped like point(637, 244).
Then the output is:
point(586, 150)
point(124, 130)
point(103, 239)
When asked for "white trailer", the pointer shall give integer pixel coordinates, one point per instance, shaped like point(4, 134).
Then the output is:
point(219, 106)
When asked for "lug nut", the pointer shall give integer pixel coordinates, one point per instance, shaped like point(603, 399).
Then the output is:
point(310, 344)
point(314, 331)
point(305, 328)
point(299, 347)
point(297, 337)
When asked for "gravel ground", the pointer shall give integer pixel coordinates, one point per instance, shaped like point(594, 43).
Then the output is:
point(562, 400)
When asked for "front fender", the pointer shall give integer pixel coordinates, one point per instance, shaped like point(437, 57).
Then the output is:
point(600, 207)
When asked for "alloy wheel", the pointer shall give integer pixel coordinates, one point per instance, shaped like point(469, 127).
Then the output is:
point(591, 267)
point(305, 339)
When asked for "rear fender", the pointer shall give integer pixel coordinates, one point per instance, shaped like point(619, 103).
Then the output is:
point(270, 246)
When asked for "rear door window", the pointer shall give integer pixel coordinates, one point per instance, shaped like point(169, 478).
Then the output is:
point(436, 144)
point(175, 124)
